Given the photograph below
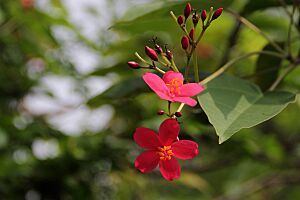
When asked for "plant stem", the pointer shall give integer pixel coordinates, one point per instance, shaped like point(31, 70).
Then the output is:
point(180, 107)
point(169, 108)
point(287, 70)
point(196, 70)
point(174, 67)
point(257, 30)
point(152, 66)
point(182, 27)
point(141, 59)
point(229, 64)
point(290, 32)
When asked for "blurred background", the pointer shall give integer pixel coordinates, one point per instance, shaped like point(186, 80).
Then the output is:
point(69, 104)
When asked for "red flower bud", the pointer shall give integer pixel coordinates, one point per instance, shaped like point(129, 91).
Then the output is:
point(187, 10)
point(203, 15)
point(191, 34)
point(185, 42)
point(217, 13)
point(151, 53)
point(158, 49)
point(161, 112)
point(133, 65)
point(169, 54)
point(178, 114)
point(180, 20)
point(195, 19)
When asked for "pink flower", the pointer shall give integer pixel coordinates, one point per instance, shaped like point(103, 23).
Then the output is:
point(171, 87)
point(162, 148)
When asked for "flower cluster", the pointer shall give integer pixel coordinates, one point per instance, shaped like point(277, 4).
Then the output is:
point(164, 147)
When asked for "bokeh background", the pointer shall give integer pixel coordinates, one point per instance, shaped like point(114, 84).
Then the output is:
point(69, 104)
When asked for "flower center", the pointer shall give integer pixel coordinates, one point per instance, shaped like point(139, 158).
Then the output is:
point(165, 153)
point(174, 86)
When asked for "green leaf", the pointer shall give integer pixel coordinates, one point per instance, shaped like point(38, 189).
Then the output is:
point(267, 68)
point(232, 104)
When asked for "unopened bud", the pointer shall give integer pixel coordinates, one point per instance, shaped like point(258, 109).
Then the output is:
point(191, 34)
point(195, 19)
point(169, 54)
point(187, 10)
point(185, 42)
point(158, 49)
point(161, 112)
point(133, 65)
point(178, 114)
point(151, 53)
point(180, 20)
point(203, 15)
point(217, 14)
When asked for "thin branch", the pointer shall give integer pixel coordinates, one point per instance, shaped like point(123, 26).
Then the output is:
point(287, 70)
point(229, 64)
point(257, 30)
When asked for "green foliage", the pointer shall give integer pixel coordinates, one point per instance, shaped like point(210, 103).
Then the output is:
point(232, 104)
point(257, 163)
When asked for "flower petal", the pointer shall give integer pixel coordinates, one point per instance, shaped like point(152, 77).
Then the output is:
point(185, 149)
point(187, 100)
point(147, 161)
point(169, 169)
point(168, 131)
point(146, 138)
point(170, 75)
point(157, 85)
point(190, 89)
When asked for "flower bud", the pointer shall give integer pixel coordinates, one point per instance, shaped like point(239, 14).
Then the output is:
point(195, 19)
point(180, 20)
point(133, 65)
point(191, 34)
point(151, 53)
point(169, 54)
point(217, 14)
point(158, 49)
point(161, 112)
point(187, 10)
point(203, 15)
point(178, 114)
point(185, 42)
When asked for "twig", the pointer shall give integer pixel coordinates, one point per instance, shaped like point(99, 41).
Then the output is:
point(287, 70)
point(257, 30)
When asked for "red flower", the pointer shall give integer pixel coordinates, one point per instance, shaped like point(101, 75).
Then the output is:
point(171, 87)
point(162, 148)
